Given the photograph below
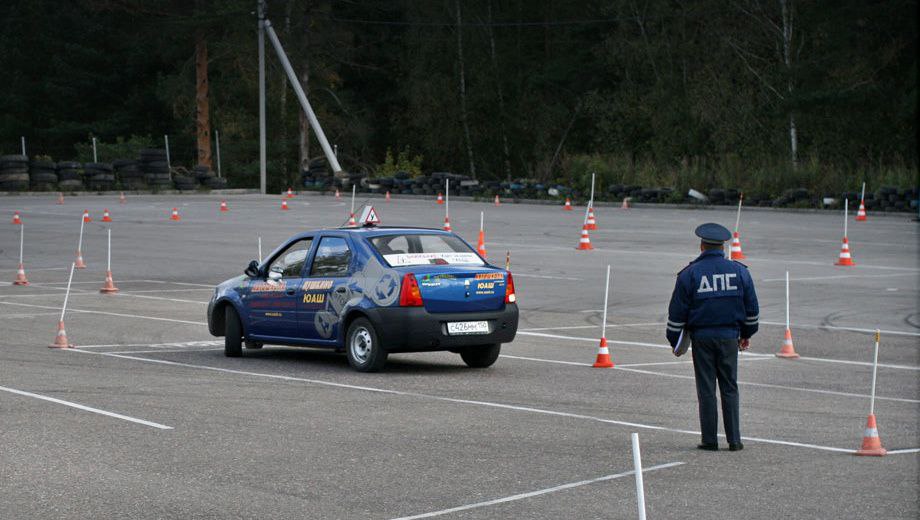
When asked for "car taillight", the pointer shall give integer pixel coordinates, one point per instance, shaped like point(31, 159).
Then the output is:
point(510, 297)
point(409, 293)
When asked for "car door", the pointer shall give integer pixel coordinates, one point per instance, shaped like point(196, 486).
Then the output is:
point(326, 289)
point(271, 304)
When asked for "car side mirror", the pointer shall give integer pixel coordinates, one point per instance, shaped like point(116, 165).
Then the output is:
point(252, 270)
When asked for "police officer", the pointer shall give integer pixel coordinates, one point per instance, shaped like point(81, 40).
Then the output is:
point(715, 304)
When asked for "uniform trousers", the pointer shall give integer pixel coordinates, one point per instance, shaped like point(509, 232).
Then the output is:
point(716, 359)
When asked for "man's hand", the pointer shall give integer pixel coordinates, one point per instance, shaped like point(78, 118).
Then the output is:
point(744, 344)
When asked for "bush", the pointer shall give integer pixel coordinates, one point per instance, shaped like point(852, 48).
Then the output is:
point(122, 148)
point(402, 163)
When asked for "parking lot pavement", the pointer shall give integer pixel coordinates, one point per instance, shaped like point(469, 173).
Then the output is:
point(147, 419)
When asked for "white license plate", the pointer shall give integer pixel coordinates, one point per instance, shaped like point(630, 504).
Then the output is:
point(458, 328)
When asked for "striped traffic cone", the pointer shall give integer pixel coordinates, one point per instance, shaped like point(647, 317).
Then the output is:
point(871, 443)
point(337, 194)
point(845, 258)
point(568, 204)
point(105, 216)
point(351, 220)
point(861, 213)
point(481, 246)
point(60, 199)
point(440, 198)
point(284, 206)
point(175, 215)
point(585, 241)
point(591, 223)
point(121, 198)
point(60, 340)
point(447, 224)
point(736, 253)
point(788, 349)
point(603, 356)
point(109, 286)
point(21, 276)
point(223, 206)
point(290, 193)
point(16, 218)
point(625, 204)
point(78, 263)
point(86, 218)
point(497, 201)
point(388, 196)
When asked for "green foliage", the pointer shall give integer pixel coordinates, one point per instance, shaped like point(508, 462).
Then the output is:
point(404, 162)
point(122, 148)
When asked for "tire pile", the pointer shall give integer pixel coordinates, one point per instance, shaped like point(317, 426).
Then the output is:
point(206, 177)
point(42, 175)
point(152, 162)
point(98, 176)
point(70, 176)
point(14, 173)
point(128, 171)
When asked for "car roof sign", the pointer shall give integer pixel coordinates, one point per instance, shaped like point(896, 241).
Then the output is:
point(369, 217)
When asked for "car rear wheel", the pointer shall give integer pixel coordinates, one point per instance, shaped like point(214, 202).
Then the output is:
point(233, 333)
point(362, 347)
point(482, 356)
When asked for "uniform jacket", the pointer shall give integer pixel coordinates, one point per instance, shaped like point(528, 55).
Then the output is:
point(713, 298)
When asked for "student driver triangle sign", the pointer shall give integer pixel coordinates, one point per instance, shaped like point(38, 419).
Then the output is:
point(369, 216)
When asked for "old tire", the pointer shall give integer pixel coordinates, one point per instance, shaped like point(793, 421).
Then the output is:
point(365, 354)
point(233, 333)
point(482, 356)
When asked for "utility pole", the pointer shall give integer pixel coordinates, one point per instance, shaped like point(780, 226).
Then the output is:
point(262, 152)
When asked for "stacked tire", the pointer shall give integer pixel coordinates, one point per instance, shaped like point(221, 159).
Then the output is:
point(42, 175)
point(152, 162)
point(14, 173)
point(185, 183)
point(207, 178)
point(99, 176)
point(69, 176)
point(129, 174)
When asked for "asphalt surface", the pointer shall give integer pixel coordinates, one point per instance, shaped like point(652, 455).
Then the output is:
point(295, 433)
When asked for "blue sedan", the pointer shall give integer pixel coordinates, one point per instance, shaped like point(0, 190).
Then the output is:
point(370, 291)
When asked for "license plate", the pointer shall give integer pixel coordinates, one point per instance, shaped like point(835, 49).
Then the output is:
point(458, 328)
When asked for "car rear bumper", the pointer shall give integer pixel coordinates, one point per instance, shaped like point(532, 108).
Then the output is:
point(413, 329)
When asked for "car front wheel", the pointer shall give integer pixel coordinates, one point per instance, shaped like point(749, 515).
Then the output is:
point(362, 347)
point(482, 356)
point(233, 333)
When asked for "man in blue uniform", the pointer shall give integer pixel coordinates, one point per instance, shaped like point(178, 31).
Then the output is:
point(715, 304)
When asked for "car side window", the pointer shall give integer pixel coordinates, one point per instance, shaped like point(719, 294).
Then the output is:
point(389, 245)
point(332, 257)
point(290, 262)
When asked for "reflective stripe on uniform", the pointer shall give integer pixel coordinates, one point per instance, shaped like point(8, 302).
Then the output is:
point(675, 329)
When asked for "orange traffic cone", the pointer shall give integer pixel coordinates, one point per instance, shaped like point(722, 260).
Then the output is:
point(388, 196)
point(86, 218)
point(337, 194)
point(60, 340)
point(481, 246)
point(871, 443)
point(625, 204)
point(585, 241)
point(861, 214)
point(175, 215)
point(603, 355)
point(440, 198)
point(568, 204)
point(447, 224)
point(845, 258)
point(788, 349)
point(79, 262)
point(109, 286)
point(16, 218)
point(497, 201)
point(591, 223)
point(351, 220)
point(21, 276)
point(121, 198)
point(105, 216)
point(736, 253)
point(290, 193)
point(223, 206)
point(284, 206)
point(60, 199)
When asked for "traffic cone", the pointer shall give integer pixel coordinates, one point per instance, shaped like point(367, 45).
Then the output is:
point(388, 196)
point(497, 201)
point(568, 204)
point(60, 199)
point(625, 204)
point(603, 356)
point(86, 218)
point(79, 262)
point(109, 286)
point(736, 253)
point(351, 220)
point(21, 276)
point(175, 215)
point(284, 206)
point(337, 194)
point(861, 214)
point(585, 241)
point(845, 258)
point(447, 224)
point(871, 443)
point(440, 198)
point(121, 198)
point(105, 216)
point(481, 246)
point(16, 218)
point(591, 223)
point(290, 193)
point(223, 206)
point(60, 340)
point(788, 349)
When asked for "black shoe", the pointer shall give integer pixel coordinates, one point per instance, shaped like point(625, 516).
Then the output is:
point(708, 447)
point(735, 447)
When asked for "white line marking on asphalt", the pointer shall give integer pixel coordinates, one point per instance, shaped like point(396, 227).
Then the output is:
point(38, 269)
point(909, 450)
point(609, 326)
point(836, 277)
point(532, 494)
point(654, 345)
point(111, 314)
point(849, 329)
point(87, 408)
point(203, 343)
point(78, 292)
point(160, 351)
point(487, 404)
point(32, 315)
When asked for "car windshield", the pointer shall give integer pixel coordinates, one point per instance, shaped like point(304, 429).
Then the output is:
point(420, 249)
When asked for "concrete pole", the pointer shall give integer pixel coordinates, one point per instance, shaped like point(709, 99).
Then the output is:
point(217, 148)
point(262, 150)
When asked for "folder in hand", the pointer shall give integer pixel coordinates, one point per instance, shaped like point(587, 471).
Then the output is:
point(683, 343)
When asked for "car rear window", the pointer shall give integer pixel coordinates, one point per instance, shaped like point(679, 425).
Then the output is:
point(420, 249)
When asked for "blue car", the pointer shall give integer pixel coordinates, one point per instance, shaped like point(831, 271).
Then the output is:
point(370, 291)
